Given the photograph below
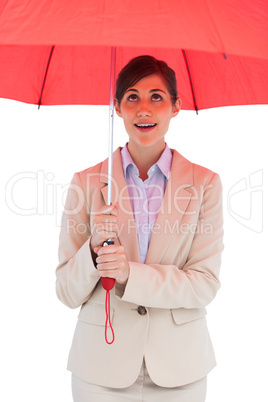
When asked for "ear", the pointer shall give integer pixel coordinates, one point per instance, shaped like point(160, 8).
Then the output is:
point(177, 107)
point(117, 107)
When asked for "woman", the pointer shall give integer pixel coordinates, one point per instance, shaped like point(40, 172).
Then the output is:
point(166, 224)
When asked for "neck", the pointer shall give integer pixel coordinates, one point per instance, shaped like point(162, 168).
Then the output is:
point(145, 157)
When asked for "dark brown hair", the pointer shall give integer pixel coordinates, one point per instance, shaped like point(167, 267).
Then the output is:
point(141, 67)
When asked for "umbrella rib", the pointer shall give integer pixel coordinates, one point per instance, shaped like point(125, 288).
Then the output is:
point(45, 76)
point(190, 79)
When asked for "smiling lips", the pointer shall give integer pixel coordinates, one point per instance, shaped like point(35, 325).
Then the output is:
point(144, 127)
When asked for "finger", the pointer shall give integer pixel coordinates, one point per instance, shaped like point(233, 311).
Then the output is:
point(96, 249)
point(105, 225)
point(99, 237)
point(108, 266)
point(108, 273)
point(102, 230)
point(102, 219)
point(111, 249)
point(108, 210)
point(106, 258)
point(108, 227)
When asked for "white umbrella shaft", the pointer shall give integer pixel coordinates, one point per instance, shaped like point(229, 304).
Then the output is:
point(111, 124)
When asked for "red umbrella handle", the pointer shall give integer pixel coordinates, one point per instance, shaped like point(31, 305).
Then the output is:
point(108, 284)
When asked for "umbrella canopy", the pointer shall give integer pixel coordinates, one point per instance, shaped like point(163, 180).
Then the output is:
point(58, 52)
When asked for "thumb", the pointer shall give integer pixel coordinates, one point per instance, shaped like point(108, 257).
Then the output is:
point(96, 249)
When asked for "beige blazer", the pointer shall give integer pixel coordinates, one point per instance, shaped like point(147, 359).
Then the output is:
point(179, 278)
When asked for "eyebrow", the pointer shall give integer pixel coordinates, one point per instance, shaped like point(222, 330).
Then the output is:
point(151, 90)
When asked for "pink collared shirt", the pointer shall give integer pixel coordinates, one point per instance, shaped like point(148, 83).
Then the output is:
point(146, 196)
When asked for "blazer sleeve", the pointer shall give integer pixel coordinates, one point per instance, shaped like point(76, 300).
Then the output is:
point(76, 274)
point(196, 283)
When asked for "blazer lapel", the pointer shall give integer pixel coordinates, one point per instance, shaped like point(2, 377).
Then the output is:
point(175, 202)
point(127, 228)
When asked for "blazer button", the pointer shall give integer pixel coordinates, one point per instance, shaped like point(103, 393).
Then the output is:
point(142, 310)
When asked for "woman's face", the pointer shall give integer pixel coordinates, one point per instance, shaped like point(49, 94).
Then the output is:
point(146, 109)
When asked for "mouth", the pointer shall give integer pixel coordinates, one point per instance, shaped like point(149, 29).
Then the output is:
point(145, 126)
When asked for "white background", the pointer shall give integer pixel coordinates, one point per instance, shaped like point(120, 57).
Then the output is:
point(40, 151)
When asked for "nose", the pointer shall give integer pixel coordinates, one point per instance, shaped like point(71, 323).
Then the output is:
point(144, 108)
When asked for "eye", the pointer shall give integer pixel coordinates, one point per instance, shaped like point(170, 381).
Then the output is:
point(132, 98)
point(156, 97)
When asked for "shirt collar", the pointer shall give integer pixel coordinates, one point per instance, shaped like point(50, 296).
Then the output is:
point(164, 162)
point(127, 160)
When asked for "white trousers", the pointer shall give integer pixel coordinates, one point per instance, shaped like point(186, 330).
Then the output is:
point(143, 390)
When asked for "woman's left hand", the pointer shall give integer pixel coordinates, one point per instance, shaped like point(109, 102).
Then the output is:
point(112, 263)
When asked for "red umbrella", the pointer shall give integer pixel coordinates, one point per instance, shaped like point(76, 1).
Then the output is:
point(58, 52)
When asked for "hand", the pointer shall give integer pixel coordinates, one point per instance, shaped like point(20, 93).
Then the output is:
point(112, 263)
point(104, 225)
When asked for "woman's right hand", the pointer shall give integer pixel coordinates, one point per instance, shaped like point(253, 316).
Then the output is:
point(104, 225)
